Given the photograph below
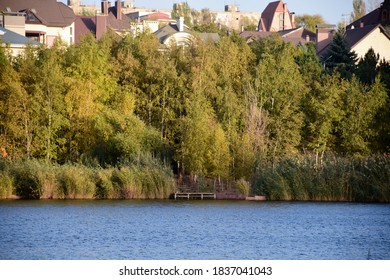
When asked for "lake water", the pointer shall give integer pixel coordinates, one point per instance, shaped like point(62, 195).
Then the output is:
point(201, 230)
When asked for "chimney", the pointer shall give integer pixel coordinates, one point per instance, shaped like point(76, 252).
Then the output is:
point(101, 26)
point(292, 18)
point(307, 38)
point(325, 35)
point(105, 6)
point(118, 6)
point(361, 24)
point(180, 24)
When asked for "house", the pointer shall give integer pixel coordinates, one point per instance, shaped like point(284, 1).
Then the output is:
point(372, 36)
point(276, 17)
point(109, 18)
point(44, 20)
point(15, 42)
point(370, 31)
point(233, 19)
point(178, 34)
point(297, 36)
point(150, 22)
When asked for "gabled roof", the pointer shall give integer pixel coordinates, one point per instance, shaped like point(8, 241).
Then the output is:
point(114, 23)
point(49, 12)
point(10, 37)
point(268, 14)
point(374, 17)
point(255, 35)
point(355, 35)
point(83, 26)
point(295, 35)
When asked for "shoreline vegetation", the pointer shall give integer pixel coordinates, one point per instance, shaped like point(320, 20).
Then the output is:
point(293, 179)
point(126, 118)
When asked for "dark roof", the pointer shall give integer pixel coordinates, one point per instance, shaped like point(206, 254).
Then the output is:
point(163, 33)
point(298, 35)
point(374, 17)
point(117, 24)
point(255, 35)
point(10, 37)
point(355, 35)
point(83, 26)
point(49, 12)
point(295, 36)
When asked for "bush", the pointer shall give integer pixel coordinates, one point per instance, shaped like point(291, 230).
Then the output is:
point(26, 181)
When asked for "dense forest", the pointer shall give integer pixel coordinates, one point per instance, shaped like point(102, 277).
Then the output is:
point(106, 116)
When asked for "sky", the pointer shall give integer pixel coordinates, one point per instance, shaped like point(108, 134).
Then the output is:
point(333, 11)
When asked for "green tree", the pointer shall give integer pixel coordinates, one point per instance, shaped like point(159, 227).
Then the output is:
point(309, 21)
point(50, 93)
point(182, 10)
point(17, 120)
point(323, 111)
point(361, 105)
point(280, 89)
point(359, 10)
point(367, 67)
point(339, 57)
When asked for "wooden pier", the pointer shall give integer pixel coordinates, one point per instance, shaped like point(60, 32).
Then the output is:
point(195, 196)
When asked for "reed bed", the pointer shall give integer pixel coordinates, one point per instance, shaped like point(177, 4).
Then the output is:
point(33, 179)
point(334, 179)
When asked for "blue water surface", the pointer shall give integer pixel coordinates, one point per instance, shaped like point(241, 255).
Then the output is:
point(188, 230)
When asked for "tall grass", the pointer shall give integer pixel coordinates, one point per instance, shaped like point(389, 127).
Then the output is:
point(33, 179)
point(336, 179)
point(6, 185)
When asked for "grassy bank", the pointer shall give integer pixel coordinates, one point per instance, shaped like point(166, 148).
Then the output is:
point(32, 179)
point(334, 179)
point(299, 178)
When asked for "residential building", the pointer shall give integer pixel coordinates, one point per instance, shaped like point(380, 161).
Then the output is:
point(276, 17)
point(370, 31)
point(151, 22)
point(178, 34)
point(45, 20)
point(366, 37)
point(14, 42)
point(233, 19)
point(109, 18)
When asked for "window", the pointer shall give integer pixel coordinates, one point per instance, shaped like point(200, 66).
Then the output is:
point(281, 21)
point(71, 31)
point(384, 15)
